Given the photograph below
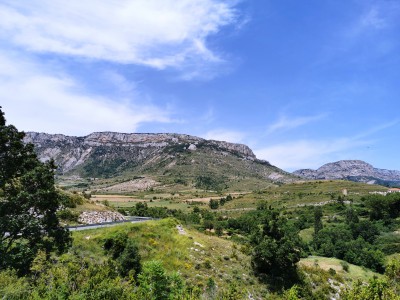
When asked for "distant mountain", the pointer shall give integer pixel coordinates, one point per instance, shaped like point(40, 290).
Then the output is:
point(170, 158)
point(354, 170)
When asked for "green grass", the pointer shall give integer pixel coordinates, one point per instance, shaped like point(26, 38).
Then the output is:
point(196, 256)
point(290, 196)
point(293, 195)
point(354, 273)
point(307, 234)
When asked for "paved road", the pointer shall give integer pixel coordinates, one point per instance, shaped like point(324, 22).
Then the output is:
point(108, 224)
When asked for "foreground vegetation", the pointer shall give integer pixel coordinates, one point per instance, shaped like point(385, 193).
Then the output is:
point(277, 229)
point(155, 260)
point(308, 240)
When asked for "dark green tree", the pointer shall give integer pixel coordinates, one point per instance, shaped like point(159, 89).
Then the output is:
point(125, 252)
point(28, 203)
point(317, 219)
point(129, 260)
point(351, 216)
point(214, 204)
point(382, 207)
point(276, 250)
point(155, 283)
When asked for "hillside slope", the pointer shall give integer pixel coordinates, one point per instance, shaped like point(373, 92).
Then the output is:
point(169, 158)
point(354, 170)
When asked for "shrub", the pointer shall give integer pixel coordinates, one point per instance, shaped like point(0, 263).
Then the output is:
point(332, 271)
point(207, 264)
point(129, 260)
point(345, 266)
point(68, 215)
point(214, 204)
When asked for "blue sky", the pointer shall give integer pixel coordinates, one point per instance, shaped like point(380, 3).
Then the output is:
point(302, 83)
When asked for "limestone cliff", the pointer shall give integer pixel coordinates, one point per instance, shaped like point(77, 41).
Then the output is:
point(108, 154)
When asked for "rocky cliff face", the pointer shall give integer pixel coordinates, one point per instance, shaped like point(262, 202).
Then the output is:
point(69, 152)
point(105, 154)
point(355, 170)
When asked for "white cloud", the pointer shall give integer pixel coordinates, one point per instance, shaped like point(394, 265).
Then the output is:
point(224, 135)
point(160, 34)
point(35, 99)
point(307, 153)
point(378, 16)
point(286, 123)
point(377, 129)
point(122, 84)
point(373, 19)
point(208, 117)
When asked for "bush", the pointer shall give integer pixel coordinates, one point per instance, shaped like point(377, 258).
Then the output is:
point(68, 215)
point(71, 200)
point(345, 266)
point(214, 204)
point(115, 244)
point(207, 264)
point(125, 252)
point(129, 260)
point(332, 272)
point(155, 283)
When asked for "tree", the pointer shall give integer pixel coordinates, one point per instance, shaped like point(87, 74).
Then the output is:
point(129, 260)
point(125, 252)
point(276, 249)
point(28, 203)
point(214, 204)
point(317, 219)
point(155, 283)
point(351, 216)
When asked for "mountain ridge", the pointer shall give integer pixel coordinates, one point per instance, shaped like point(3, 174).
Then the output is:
point(354, 170)
point(110, 154)
point(143, 140)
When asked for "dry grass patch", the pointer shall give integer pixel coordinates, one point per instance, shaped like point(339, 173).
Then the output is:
point(353, 274)
point(196, 256)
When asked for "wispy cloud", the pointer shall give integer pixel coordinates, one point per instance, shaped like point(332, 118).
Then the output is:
point(39, 100)
point(208, 117)
point(377, 129)
point(159, 34)
point(376, 16)
point(122, 84)
point(307, 153)
point(373, 19)
point(287, 123)
point(299, 154)
point(364, 38)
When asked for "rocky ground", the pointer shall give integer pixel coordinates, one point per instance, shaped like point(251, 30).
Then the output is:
point(131, 186)
point(95, 217)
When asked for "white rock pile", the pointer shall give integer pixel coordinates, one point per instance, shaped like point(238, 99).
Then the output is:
point(94, 217)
